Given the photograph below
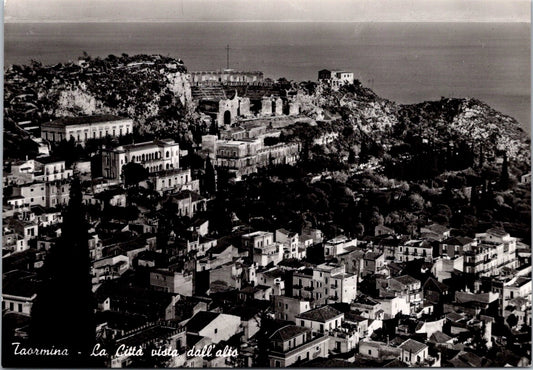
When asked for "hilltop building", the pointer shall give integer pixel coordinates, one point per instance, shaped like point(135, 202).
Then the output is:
point(335, 79)
point(81, 129)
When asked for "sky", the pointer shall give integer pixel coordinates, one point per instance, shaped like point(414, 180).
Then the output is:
point(267, 10)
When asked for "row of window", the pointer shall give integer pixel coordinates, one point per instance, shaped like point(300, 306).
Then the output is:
point(12, 306)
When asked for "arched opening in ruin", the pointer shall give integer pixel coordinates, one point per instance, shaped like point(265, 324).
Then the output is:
point(227, 118)
point(273, 107)
point(286, 107)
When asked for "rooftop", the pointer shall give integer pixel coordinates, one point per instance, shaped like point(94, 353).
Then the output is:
point(457, 240)
point(412, 346)
point(69, 121)
point(406, 279)
point(288, 332)
point(321, 314)
point(49, 159)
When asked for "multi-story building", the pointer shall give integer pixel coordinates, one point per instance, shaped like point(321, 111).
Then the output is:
point(155, 156)
point(172, 281)
point(327, 283)
point(81, 129)
point(455, 246)
point(414, 249)
point(262, 248)
point(287, 308)
point(321, 319)
point(292, 344)
point(402, 286)
point(335, 79)
point(496, 250)
point(368, 307)
point(239, 157)
point(46, 194)
point(246, 156)
point(174, 180)
point(37, 170)
point(337, 246)
point(188, 203)
point(373, 263)
point(293, 247)
point(52, 169)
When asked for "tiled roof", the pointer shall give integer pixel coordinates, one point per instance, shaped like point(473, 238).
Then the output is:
point(439, 337)
point(406, 279)
point(321, 314)
point(412, 346)
point(457, 240)
point(372, 255)
point(288, 332)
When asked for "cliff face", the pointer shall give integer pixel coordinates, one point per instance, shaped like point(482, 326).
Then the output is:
point(467, 120)
point(142, 87)
point(470, 120)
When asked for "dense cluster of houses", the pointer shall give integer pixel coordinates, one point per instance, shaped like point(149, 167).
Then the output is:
point(352, 301)
point(273, 298)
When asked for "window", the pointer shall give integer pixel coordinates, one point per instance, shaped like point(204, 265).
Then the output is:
point(302, 323)
point(216, 330)
point(369, 351)
point(277, 363)
point(20, 307)
point(11, 306)
point(287, 306)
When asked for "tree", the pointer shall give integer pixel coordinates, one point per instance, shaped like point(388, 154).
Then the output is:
point(210, 184)
point(416, 202)
point(133, 173)
point(504, 177)
point(63, 312)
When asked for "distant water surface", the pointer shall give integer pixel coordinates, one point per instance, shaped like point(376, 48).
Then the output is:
point(405, 62)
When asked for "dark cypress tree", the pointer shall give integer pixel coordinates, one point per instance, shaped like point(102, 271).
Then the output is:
point(504, 177)
point(481, 156)
point(210, 182)
point(63, 313)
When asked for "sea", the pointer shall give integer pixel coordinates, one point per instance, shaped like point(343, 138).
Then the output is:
point(404, 62)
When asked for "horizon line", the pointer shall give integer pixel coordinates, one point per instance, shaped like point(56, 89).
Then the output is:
point(25, 21)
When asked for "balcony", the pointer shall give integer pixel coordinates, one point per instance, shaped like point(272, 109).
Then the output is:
point(309, 288)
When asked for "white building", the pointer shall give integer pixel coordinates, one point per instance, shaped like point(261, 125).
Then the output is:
point(157, 155)
point(337, 246)
point(81, 129)
point(335, 79)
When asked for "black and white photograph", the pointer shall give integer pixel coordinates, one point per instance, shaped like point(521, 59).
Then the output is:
point(266, 183)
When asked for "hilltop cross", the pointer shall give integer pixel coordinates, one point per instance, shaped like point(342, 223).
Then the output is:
point(227, 56)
